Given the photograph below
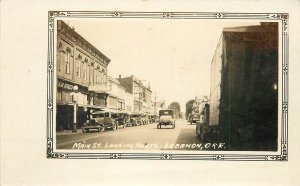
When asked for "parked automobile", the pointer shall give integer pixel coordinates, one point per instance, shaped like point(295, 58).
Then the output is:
point(109, 119)
point(152, 118)
point(194, 118)
point(91, 125)
point(139, 119)
point(145, 119)
point(201, 125)
point(166, 117)
point(135, 119)
point(123, 119)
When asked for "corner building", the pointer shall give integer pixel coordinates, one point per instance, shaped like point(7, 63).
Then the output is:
point(78, 63)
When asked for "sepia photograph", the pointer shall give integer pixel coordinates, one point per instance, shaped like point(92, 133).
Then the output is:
point(149, 84)
point(149, 92)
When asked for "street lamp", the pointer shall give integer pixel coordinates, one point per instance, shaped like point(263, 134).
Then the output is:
point(75, 89)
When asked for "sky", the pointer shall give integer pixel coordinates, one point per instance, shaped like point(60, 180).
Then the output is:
point(174, 56)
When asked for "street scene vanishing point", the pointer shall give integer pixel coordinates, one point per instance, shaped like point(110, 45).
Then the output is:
point(152, 86)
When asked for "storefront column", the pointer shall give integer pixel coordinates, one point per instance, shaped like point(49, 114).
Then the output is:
point(75, 118)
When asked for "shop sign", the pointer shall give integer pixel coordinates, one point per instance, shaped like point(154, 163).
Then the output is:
point(65, 85)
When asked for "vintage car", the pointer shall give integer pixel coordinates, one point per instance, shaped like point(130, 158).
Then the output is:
point(123, 119)
point(152, 118)
point(194, 118)
point(202, 128)
point(108, 119)
point(91, 125)
point(145, 119)
point(135, 119)
point(166, 117)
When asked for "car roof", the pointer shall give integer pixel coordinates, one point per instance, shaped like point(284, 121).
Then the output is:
point(105, 111)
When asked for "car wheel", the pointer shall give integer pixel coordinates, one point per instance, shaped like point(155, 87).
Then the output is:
point(102, 128)
point(114, 127)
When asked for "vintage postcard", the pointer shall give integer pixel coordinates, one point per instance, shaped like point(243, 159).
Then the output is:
point(149, 93)
point(167, 85)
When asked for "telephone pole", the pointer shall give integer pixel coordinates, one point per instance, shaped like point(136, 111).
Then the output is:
point(155, 103)
point(140, 95)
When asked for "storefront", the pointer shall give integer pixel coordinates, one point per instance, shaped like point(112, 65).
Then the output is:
point(121, 104)
point(112, 101)
point(65, 99)
point(99, 99)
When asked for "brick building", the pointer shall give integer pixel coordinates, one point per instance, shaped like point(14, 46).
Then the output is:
point(78, 63)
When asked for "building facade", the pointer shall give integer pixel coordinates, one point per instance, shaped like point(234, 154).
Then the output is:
point(116, 94)
point(129, 102)
point(80, 64)
point(142, 101)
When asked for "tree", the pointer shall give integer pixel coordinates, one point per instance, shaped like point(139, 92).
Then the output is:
point(189, 107)
point(175, 106)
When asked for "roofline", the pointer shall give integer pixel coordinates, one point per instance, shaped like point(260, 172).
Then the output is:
point(81, 37)
point(251, 28)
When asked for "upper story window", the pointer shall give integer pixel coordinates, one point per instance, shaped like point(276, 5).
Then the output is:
point(84, 72)
point(60, 56)
point(68, 60)
point(88, 72)
point(97, 79)
point(79, 66)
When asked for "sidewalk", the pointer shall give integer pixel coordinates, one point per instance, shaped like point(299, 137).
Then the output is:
point(67, 132)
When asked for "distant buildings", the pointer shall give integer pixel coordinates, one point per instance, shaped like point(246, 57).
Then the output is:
point(142, 101)
point(115, 94)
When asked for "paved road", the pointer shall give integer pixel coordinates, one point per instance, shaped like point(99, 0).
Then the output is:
point(144, 137)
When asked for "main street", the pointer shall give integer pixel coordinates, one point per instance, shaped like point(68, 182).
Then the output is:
point(142, 137)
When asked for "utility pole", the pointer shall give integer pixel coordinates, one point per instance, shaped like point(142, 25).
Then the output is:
point(140, 95)
point(155, 104)
point(140, 86)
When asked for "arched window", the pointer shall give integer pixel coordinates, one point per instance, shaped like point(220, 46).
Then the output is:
point(84, 69)
point(96, 79)
point(68, 60)
point(60, 56)
point(88, 73)
point(79, 66)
